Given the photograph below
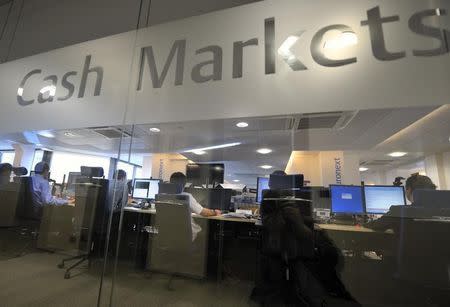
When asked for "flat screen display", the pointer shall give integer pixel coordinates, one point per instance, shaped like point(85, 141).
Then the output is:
point(380, 198)
point(145, 188)
point(262, 184)
point(346, 199)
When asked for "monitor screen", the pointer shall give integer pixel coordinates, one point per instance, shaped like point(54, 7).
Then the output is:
point(203, 173)
point(346, 199)
point(380, 198)
point(262, 184)
point(145, 188)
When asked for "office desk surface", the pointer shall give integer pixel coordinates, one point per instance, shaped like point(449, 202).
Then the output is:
point(329, 227)
point(350, 228)
point(197, 216)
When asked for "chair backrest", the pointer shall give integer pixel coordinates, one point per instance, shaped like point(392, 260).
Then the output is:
point(287, 227)
point(91, 211)
point(28, 208)
point(173, 221)
point(423, 252)
point(9, 199)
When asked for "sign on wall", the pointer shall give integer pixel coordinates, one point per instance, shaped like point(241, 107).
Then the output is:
point(267, 58)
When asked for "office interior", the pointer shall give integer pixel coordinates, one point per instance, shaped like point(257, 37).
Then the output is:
point(138, 256)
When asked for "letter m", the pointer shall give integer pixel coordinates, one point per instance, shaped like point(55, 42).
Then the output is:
point(178, 48)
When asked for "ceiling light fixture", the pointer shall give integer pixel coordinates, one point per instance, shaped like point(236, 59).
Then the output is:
point(242, 125)
point(154, 129)
point(397, 154)
point(213, 147)
point(363, 169)
point(266, 166)
point(264, 151)
point(199, 152)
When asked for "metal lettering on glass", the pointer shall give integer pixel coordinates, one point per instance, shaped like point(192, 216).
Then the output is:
point(48, 92)
point(317, 47)
point(212, 69)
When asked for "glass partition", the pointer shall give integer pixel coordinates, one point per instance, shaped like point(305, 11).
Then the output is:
point(241, 153)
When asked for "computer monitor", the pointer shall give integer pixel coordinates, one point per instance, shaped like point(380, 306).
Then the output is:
point(145, 188)
point(286, 182)
point(212, 198)
point(320, 196)
point(380, 198)
point(261, 185)
point(170, 188)
point(432, 199)
point(346, 199)
point(72, 179)
point(205, 173)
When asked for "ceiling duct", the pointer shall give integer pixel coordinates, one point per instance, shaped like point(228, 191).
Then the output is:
point(329, 120)
point(112, 132)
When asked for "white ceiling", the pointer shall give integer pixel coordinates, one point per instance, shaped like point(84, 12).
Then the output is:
point(371, 133)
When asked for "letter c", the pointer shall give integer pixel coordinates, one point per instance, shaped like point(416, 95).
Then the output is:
point(20, 100)
point(317, 48)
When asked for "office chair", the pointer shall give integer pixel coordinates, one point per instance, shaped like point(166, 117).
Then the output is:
point(287, 242)
point(423, 252)
point(172, 245)
point(89, 218)
point(9, 199)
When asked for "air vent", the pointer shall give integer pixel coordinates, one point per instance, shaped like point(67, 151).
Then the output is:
point(112, 133)
point(330, 120)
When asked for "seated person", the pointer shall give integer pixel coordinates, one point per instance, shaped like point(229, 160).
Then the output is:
point(118, 191)
point(390, 220)
point(180, 178)
point(5, 173)
point(42, 194)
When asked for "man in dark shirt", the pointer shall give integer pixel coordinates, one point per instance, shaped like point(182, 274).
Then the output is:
point(392, 218)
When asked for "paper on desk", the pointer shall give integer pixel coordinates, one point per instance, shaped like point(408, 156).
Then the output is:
point(234, 215)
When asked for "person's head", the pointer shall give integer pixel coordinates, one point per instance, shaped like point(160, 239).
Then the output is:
point(42, 168)
point(178, 178)
point(120, 175)
point(276, 173)
point(279, 173)
point(5, 171)
point(415, 182)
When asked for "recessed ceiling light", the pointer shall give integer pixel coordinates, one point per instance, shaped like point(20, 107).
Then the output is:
point(236, 180)
point(397, 154)
point(154, 129)
point(199, 152)
point(363, 169)
point(242, 125)
point(266, 166)
point(264, 151)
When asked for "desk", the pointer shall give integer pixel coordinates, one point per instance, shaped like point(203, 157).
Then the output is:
point(344, 237)
point(197, 216)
